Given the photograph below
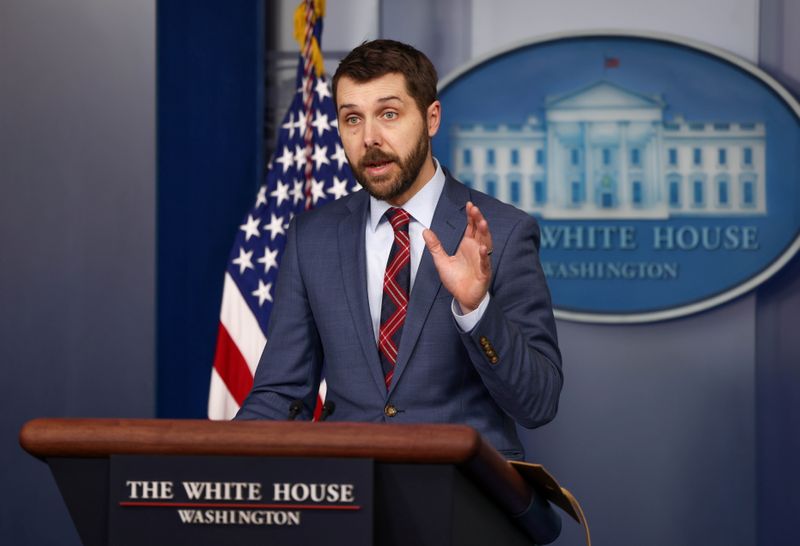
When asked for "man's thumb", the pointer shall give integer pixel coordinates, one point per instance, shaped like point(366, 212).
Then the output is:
point(433, 244)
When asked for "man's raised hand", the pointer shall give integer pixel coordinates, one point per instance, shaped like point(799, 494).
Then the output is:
point(467, 273)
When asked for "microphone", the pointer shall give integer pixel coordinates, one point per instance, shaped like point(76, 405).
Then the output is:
point(327, 410)
point(294, 409)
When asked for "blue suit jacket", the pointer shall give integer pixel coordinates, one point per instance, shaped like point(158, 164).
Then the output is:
point(321, 314)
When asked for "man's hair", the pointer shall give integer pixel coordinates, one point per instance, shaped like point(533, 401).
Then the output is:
point(377, 58)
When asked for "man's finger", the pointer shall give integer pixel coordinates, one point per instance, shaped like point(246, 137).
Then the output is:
point(481, 227)
point(434, 245)
point(482, 232)
point(476, 218)
point(470, 221)
point(475, 214)
point(486, 261)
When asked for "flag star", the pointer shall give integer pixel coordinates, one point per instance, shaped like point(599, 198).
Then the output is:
point(250, 227)
point(275, 227)
point(355, 187)
point(289, 125)
point(339, 156)
point(320, 156)
point(317, 190)
point(286, 158)
point(322, 89)
point(338, 188)
point(320, 123)
point(263, 292)
point(299, 157)
point(335, 124)
point(244, 261)
point(297, 192)
point(281, 192)
point(262, 196)
point(269, 259)
point(302, 121)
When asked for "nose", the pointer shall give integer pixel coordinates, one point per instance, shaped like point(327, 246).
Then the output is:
point(372, 134)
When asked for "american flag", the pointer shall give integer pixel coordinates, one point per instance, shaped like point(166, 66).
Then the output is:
point(307, 169)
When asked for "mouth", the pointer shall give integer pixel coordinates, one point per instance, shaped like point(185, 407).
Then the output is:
point(377, 168)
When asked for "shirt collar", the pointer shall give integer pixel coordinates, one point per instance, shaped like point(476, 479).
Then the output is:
point(421, 206)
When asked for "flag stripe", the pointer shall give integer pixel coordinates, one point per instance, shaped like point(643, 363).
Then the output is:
point(321, 394)
point(231, 366)
point(241, 325)
point(221, 404)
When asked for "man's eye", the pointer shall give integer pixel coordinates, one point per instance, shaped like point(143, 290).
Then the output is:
point(390, 115)
point(351, 120)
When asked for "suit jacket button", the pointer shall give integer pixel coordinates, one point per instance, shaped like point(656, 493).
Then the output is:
point(484, 341)
point(494, 359)
point(390, 410)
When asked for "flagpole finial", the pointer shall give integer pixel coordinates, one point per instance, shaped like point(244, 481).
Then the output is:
point(306, 15)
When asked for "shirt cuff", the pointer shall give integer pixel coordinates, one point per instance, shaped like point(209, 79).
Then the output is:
point(467, 322)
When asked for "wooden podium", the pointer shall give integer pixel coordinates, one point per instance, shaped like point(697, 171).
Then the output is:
point(431, 484)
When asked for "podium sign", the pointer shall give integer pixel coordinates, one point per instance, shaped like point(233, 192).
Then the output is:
point(164, 500)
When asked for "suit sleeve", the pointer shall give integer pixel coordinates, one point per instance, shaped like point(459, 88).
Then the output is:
point(514, 345)
point(290, 365)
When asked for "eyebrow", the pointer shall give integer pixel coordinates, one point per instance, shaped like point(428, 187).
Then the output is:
point(382, 99)
point(390, 97)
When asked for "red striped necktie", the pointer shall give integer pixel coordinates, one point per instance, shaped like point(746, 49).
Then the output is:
point(396, 284)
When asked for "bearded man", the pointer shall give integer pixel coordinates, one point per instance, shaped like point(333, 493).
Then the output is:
point(424, 299)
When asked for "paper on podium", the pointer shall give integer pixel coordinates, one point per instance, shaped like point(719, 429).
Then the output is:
point(545, 484)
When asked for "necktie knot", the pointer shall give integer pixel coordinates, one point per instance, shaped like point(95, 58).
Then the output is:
point(399, 218)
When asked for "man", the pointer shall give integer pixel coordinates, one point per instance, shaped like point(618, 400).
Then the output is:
point(425, 300)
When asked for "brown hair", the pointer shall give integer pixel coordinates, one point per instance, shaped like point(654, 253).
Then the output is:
point(377, 58)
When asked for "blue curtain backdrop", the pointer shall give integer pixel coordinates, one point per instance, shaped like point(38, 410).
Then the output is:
point(210, 161)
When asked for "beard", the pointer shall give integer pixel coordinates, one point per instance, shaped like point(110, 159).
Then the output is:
point(390, 186)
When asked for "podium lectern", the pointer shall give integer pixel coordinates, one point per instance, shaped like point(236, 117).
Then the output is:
point(415, 484)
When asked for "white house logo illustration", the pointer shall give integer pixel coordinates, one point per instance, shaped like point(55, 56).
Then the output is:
point(606, 152)
point(664, 174)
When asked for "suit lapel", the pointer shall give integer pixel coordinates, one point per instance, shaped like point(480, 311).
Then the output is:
point(354, 267)
point(449, 223)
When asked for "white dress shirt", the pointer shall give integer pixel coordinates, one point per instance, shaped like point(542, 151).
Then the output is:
point(379, 237)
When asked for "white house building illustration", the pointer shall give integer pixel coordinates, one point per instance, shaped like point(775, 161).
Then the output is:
point(607, 152)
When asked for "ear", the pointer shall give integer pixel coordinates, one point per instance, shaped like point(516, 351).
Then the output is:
point(433, 117)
